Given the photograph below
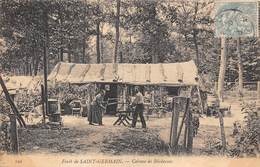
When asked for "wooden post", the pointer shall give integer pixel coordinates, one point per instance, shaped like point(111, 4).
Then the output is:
point(187, 101)
point(171, 130)
point(189, 132)
point(222, 131)
point(185, 135)
point(43, 108)
point(13, 134)
point(175, 121)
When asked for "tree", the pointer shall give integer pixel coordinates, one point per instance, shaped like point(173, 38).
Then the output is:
point(117, 24)
point(222, 70)
point(149, 32)
point(152, 43)
point(240, 69)
point(192, 22)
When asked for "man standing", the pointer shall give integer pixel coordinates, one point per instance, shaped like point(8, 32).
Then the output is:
point(139, 108)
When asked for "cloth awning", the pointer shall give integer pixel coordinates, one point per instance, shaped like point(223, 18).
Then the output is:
point(185, 73)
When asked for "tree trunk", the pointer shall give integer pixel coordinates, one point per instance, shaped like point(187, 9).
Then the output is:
point(69, 54)
point(61, 54)
point(155, 52)
point(33, 57)
point(117, 22)
point(14, 134)
point(240, 69)
point(84, 36)
point(83, 49)
point(222, 69)
point(27, 65)
point(196, 47)
point(222, 131)
point(101, 45)
point(194, 33)
point(36, 59)
point(30, 69)
point(36, 65)
point(121, 57)
point(154, 58)
point(98, 43)
point(45, 57)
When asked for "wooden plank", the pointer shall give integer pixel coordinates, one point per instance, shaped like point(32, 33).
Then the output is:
point(11, 102)
point(13, 134)
point(171, 123)
point(190, 132)
point(185, 136)
point(187, 100)
point(175, 122)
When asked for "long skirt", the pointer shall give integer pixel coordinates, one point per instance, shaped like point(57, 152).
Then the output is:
point(95, 114)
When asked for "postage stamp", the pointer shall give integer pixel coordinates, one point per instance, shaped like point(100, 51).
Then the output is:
point(236, 18)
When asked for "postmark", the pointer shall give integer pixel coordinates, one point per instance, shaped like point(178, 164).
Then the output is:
point(236, 19)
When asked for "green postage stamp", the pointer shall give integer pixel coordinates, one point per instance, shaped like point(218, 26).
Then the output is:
point(237, 18)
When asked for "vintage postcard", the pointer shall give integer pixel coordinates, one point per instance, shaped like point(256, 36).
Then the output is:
point(128, 83)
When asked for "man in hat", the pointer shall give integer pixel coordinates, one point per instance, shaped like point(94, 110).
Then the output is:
point(139, 108)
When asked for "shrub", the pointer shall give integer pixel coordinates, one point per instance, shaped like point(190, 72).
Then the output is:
point(247, 140)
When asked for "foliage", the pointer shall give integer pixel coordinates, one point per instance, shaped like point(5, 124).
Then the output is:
point(247, 140)
point(67, 93)
point(4, 124)
point(27, 102)
point(213, 146)
point(250, 59)
point(150, 31)
point(4, 106)
point(4, 133)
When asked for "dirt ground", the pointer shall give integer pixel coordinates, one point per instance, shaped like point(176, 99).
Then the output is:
point(78, 137)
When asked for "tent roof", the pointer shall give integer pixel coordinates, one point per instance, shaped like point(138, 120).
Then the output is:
point(22, 82)
point(136, 74)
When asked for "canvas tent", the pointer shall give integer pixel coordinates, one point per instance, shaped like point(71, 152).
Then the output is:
point(14, 83)
point(168, 74)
